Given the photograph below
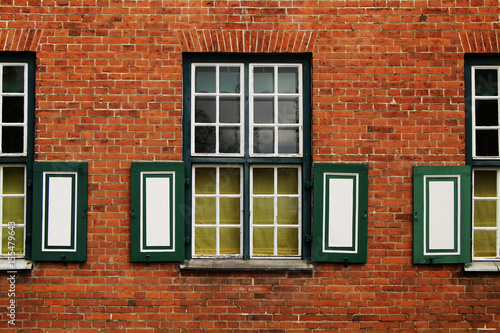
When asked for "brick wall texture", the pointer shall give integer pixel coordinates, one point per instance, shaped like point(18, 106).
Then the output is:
point(388, 90)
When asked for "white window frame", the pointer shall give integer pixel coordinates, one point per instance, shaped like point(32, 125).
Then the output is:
point(275, 196)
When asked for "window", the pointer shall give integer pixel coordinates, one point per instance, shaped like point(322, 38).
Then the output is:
point(248, 155)
point(483, 154)
point(243, 190)
point(16, 151)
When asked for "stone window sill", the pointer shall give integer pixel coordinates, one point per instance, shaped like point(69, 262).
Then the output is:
point(482, 266)
point(246, 265)
point(17, 264)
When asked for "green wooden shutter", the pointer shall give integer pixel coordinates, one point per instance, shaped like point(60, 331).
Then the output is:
point(340, 213)
point(442, 214)
point(157, 226)
point(59, 211)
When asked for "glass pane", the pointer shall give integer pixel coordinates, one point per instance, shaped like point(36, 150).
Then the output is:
point(486, 143)
point(486, 113)
point(204, 139)
point(288, 110)
point(229, 140)
point(485, 243)
point(204, 180)
point(263, 241)
point(13, 210)
point(263, 80)
point(205, 79)
point(205, 110)
point(486, 82)
point(204, 241)
point(288, 141)
point(263, 210)
point(13, 180)
point(229, 79)
point(485, 213)
point(13, 109)
point(288, 241)
point(229, 241)
point(288, 80)
point(204, 211)
point(485, 183)
point(263, 140)
point(229, 110)
point(12, 139)
point(263, 181)
point(288, 182)
point(13, 79)
point(288, 211)
point(229, 181)
point(229, 209)
point(263, 110)
point(16, 238)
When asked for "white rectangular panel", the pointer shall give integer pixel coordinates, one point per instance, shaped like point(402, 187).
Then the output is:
point(158, 209)
point(441, 215)
point(340, 217)
point(59, 207)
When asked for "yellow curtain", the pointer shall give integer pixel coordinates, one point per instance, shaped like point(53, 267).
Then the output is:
point(485, 243)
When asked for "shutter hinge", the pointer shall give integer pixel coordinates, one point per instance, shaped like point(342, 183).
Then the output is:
point(187, 240)
point(186, 181)
point(84, 213)
point(63, 258)
point(309, 184)
point(30, 182)
point(415, 217)
point(132, 213)
point(308, 238)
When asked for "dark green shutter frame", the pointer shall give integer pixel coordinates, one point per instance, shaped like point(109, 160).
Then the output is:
point(157, 211)
point(340, 213)
point(441, 214)
point(59, 211)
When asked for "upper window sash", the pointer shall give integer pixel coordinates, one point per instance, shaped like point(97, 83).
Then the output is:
point(13, 109)
point(276, 110)
point(217, 109)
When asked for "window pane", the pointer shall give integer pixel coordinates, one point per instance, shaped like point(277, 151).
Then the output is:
point(204, 211)
point(263, 241)
point(12, 139)
point(229, 210)
point(288, 110)
point(229, 79)
point(229, 140)
point(486, 113)
point(288, 241)
point(263, 181)
point(486, 143)
point(13, 79)
point(485, 243)
point(288, 181)
point(263, 80)
point(13, 109)
point(205, 239)
point(205, 110)
point(205, 180)
point(205, 80)
point(486, 82)
point(229, 241)
point(263, 210)
point(288, 141)
point(229, 110)
point(263, 140)
point(16, 240)
point(204, 139)
point(13, 180)
point(485, 183)
point(485, 213)
point(288, 210)
point(263, 110)
point(13, 210)
point(229, 181)
point(288, 80)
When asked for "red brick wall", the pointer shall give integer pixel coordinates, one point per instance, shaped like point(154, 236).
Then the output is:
point(387, 90)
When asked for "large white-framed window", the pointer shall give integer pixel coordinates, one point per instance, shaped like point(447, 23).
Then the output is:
point(247, 151)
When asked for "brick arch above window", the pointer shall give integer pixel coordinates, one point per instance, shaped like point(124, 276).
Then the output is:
point(246, 41)
point(20, 39)
point(480, 41)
